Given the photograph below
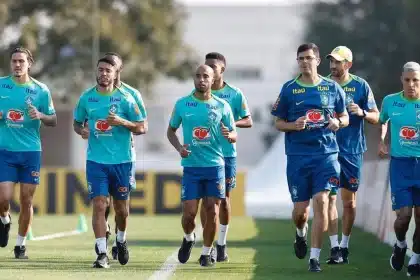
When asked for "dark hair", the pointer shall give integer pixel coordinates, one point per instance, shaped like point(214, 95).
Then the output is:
point(307, 47)
point(107, 60)
point(216, 55)
point(113, 54)
point(25, 51)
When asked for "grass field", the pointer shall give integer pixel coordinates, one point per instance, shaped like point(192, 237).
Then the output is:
point(258, 249)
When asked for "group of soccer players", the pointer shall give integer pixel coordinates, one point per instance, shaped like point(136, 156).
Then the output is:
point(323, 120)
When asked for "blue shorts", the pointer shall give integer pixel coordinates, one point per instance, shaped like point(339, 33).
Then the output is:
point(230, 173)
point(351, 166)
point(309, 175)
point(405, 182)
point(200, 182)
point(116, 180)
point(23, 167)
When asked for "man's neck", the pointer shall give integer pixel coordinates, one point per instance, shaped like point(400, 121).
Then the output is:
point(309, 79)
point(107, 89)
point(21, 79)
point(202, 95)
point(218, 84)
point(342, 79)
point(411, 98)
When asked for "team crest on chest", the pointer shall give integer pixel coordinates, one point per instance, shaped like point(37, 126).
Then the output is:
point(324, 99)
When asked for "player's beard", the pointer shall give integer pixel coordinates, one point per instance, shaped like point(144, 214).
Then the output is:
point(337, 73)
point(103, 83)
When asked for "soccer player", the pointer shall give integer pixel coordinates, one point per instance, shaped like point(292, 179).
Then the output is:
point(25, 103)
point(139, 101)
point(112, 116)
point(402, 111)
point(242, 117)
point(310, 109)
point(205, 118)
point(361, 106)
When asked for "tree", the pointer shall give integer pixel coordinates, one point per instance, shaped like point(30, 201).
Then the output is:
point(381, 34)
point(60, 33)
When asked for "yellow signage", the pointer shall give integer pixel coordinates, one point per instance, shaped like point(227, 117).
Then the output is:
point(63, 191)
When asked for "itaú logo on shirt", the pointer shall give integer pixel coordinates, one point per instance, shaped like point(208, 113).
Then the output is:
point(15, 115)
point(101, 127)
point(200, 135)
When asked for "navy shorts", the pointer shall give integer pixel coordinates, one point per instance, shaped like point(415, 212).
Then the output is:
point(200, 182)
point(405, 182)
point(309, 175)
point(116, 180)
point(20, 167)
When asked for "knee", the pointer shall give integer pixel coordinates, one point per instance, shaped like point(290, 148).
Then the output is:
point(99, 204)
point(404, 217)
point(225, 203)
point(301, 211)
point(121, 211)
point(26, 201)
point(321, 202)
point(349, 204)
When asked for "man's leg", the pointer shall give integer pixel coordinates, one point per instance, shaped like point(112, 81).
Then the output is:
point(211, 205)
point(121, 208)
point(225, 209)
point(333, 228)
point(190, 197)
point(413, 268)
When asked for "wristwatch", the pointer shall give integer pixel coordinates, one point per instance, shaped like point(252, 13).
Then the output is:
point(364, 113)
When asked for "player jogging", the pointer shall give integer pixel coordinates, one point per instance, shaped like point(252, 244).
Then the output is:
point(205, 118)
point(112, 116)
point(310, 109)
point(25, 103)
point(242, 117)
point(361, 106)
point(401, 110)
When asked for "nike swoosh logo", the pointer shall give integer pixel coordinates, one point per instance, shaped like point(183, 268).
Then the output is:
point(298, 103)
point(4, 97)
point(189, 115)
point(396, 114)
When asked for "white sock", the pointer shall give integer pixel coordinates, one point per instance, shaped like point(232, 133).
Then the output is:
point(302, 232)
point(414, 259)
point(344, 241)
point(402, 244)
point(206, 251)
point(5, 220)
point(334, 241)
point(223, 230)
point(20, 240)
point(315, 252)
point(101, 243)
point(121, 236)
point(189, 236)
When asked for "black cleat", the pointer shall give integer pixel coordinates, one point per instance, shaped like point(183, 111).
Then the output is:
point(185, 250)
point(314, 265)
point(345, 255)
point(20, 252)
point(123, 254)
point(205, 260)
point(413, 270)
point(222, 256)
point(335, 257)
point(301, 247)
point(397, 258)
point(114, 252)
point(4, 233)
point(102, 261)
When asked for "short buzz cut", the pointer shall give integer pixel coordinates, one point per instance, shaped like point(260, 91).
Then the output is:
point(411, 66)
point(216, 55)
point(308, 46)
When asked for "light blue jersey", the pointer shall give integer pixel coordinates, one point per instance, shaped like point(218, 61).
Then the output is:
point(201, 127)
point(107, 144)
point(139, 101)
point(18, 132)
point(404, 118)
point(239, 105)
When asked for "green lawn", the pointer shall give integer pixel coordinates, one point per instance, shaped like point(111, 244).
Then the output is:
point(258, 249)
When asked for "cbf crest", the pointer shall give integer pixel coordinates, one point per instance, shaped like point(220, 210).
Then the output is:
point(212, 116)
point(349, 99)
point(29, 100)
point(113, 108)
point(324, 99)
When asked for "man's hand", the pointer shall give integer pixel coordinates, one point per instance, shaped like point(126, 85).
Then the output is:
point(85, 132)
point(34, 114)
point(383, 150)
point(300, 123)
point(354, 109)
point(184, 152)
point(333, 124)
point(114, 120)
